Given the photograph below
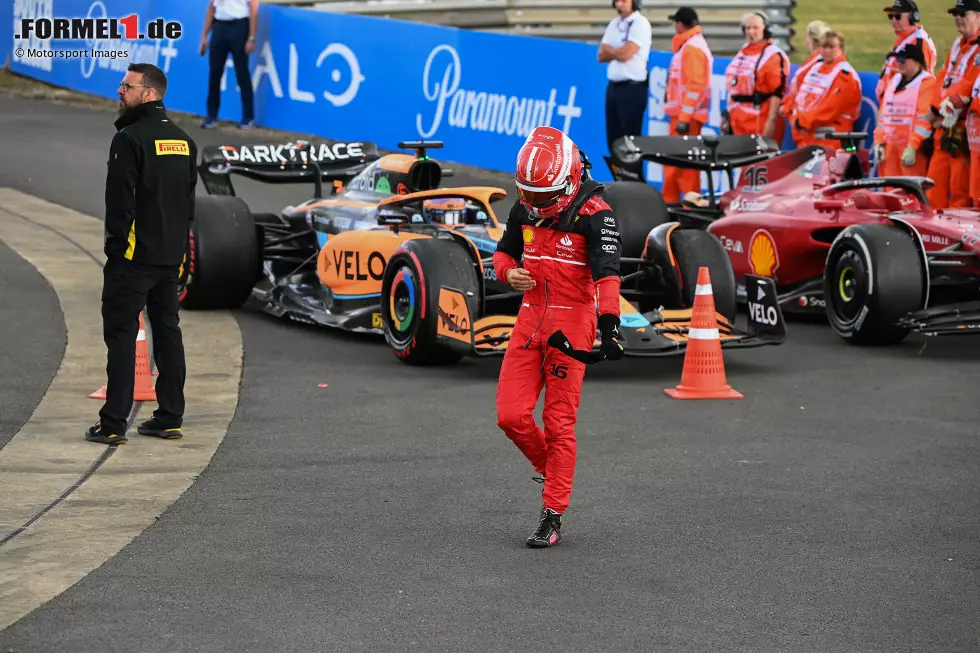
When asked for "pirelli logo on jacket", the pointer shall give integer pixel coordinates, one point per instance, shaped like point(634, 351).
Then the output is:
point(172, 147)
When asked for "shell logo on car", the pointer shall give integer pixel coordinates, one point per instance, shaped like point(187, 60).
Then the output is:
point(763, 256)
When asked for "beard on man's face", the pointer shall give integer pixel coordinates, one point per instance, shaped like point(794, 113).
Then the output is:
point(127, 104)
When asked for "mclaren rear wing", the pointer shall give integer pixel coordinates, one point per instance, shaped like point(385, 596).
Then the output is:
point(284, 163)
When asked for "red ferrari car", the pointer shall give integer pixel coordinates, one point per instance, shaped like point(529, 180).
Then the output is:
point(870, 252)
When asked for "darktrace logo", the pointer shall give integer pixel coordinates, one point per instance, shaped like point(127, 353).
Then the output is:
point(86, 29)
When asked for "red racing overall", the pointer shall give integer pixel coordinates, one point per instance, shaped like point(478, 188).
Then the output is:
point(574, 260)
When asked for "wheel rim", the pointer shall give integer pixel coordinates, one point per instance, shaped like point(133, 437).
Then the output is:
point(401, 304)
point(851, 285)
point(845, 284)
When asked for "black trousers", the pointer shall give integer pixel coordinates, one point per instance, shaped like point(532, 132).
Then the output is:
point(229, 37)
point(626, 104)
point(127, 288)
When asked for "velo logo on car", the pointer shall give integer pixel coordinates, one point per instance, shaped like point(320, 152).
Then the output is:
point(81, 29)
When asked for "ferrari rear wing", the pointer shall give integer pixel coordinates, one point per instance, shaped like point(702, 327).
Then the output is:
point(707, 153)
point(951, 320)
point(283, 163)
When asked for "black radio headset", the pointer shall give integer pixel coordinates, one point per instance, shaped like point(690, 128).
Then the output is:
point(766, 26)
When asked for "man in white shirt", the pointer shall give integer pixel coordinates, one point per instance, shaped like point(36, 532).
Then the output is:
point(625, 47)
point(232, 24)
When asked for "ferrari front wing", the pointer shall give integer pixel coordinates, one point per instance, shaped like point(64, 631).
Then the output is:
point(961, 319)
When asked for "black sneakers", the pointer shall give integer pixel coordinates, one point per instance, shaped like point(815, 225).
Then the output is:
point(154, 428)
point(97, 433)
point(150, 427)
point(548, 532)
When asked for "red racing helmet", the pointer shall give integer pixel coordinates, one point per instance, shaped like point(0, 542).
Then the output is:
point(549, 172)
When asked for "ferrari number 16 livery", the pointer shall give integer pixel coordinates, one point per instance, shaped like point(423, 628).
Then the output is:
point(869, 252)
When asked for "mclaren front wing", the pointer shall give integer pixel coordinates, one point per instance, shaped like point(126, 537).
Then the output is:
point(662, 332)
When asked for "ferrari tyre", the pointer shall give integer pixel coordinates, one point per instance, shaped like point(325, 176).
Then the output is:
point(694, 249)
point(639, 208)
point(411, 301)
point(224, 255)
point(873, 278)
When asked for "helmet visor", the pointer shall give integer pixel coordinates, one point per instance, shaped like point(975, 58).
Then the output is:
point(540, 199)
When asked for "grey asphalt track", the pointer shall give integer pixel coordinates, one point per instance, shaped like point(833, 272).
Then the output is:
point(835, 508)
point(32, 340)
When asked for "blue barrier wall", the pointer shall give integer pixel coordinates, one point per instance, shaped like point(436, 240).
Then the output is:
point(6, 35)
point(357, 77)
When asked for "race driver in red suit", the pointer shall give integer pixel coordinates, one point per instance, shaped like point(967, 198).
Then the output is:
point(569, 241)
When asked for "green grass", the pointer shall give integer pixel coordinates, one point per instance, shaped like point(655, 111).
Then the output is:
point(866, 29)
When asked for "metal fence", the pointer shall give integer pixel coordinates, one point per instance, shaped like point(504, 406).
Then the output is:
point(580, 20)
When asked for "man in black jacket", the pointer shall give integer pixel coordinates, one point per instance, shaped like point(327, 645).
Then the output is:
point(149, 203)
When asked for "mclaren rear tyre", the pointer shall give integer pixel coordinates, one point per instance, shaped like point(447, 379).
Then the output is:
point(430, 298)
point(639, 208)
point(874, 277)
point(224, 255)
point(695, 249)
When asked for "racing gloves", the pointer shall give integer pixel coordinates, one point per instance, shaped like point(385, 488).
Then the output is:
point(609, 332)
point(609, 348)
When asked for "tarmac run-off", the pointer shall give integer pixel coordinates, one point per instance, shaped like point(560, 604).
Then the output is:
point(49, 456)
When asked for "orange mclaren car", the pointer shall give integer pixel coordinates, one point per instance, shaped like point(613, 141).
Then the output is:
point(390, 250)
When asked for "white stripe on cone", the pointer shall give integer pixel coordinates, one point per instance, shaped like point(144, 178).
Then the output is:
point(703, 290)
point(702, 334)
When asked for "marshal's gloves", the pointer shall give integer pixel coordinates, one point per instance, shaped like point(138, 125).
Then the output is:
point(950, 110)
point(879, 153)
point(609, 332)
point(908, 157)
point(683, 128)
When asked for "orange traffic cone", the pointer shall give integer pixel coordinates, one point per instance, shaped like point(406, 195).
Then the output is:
point(703, 376)
point(143, 389)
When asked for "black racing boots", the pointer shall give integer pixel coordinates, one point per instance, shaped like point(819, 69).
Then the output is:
point(548, 532)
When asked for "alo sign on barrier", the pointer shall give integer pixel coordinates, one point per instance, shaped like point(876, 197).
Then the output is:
point(359, 78)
